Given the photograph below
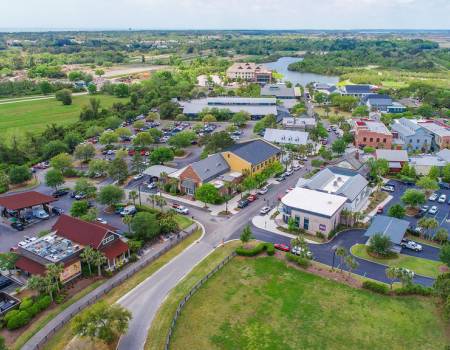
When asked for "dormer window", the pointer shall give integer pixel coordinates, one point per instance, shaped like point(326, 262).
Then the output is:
point(108, 239)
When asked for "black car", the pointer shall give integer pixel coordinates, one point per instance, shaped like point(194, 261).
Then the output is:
point(243, 203)
point(57, 211)
point(59, 193)
point(18, 226)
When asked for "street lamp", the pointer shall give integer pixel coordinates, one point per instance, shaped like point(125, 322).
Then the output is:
point(334, 248)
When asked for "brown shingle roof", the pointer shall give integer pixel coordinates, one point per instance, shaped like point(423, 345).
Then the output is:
point(30, 266)
point(115, 249)
point(25, 200)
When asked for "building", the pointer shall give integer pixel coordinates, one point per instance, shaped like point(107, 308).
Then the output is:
point(343, 182)
point(444, 155)
point(396, 158)
point(394, 228)
point(412, 135)
point(371, 133)
point(256, 107)
point(281, 136)
point(326, 89)
point(313, 211)
point(299, 123)
point(20, 204)
point(280, 91)
point(252, 72)
point(423, 163)
point(382, 103)
point(439, 131)
point(252, 156)
point(357, 90)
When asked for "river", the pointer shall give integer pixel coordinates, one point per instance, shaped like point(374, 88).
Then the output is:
point(281, 66)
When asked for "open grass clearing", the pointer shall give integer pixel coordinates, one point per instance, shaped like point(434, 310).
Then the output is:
point(261, 303)
point(183, 221)
point(60, 340)
point(424, 267)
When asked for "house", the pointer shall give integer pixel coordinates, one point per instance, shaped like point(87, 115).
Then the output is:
point(280, 91)
point(281, 136)
point(395, 157)
point(313, 211)
point(382, 103)
point(423, 163)
point(326, 89)
point(299, 123)
point(371, 133)
point(413, 135)
point(343, 182)
point(249, 71)
point(394, 228)
point(440, 133)
point(203, 171)
point(357, 90)
point(252, 156)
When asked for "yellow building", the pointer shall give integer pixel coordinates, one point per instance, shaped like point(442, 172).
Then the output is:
point(252, 156)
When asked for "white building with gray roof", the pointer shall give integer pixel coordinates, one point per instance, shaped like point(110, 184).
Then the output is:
point(281, 136)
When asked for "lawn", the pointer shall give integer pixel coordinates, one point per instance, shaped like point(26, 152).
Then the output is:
point(15, 118)
point(261, 303)
point(183, 221)
point(420, 266)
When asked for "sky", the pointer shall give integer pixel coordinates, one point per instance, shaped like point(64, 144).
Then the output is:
point(225, 14)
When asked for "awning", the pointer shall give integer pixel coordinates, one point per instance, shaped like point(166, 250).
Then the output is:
point(118, 247)
point(25, 200)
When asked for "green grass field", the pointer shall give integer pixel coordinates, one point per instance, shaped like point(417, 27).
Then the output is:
point(261, 303)
point(420, 266)
point(34, 116)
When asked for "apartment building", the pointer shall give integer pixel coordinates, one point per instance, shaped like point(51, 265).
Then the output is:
point(252, 72)
point(371, 133)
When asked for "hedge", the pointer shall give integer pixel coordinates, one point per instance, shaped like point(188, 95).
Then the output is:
point(19, 320)
point(302, 262)
point(414, 289)
point(375, 287)
point(27, 310)
point(261, 247)
point(26, 303)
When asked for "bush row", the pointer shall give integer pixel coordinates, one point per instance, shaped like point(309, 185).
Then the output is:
point(27, 310)
point(411, 289)
point(300, 261)
point(261, 247)
point(375, 287)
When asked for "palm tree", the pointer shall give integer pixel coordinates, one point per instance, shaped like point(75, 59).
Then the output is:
point(99, 259)
point(87, 256)
point(341, 253)
point(133, 195)
point(345, 214)
point(351, 264)
point(127, 221)
point(54, 272)
point(391, 274)
point(36, 283)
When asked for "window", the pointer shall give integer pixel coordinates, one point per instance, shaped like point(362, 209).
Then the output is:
point(108, 239)
point(418, 140)
point(364, 139)
point(371, 139)
point(384, 140)
point(378, 139)
point(306, 223)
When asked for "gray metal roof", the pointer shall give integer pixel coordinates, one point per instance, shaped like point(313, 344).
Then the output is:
point(210, 167)
point(358, 89)
point(392, 227)
point(254, 151)
point(156, 170)
point(241, 100)
point(402, 129)
point(199, 105)
point(444, 154)
point(286, 136)
point(278, 90)
point(378, 100)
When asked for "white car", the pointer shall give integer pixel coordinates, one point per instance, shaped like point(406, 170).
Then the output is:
point(264, 210)
point(297, 167)
point(40, 214)
point(388, 188)
point(442, 198)
point(151, 185)
point(433, 210)
point(263, 190)
point(289, 172)
point(433, 197)
point(23, 244)
point(299, 251)
point(182, 210)
point(406, 243)
point(102, 221)
point(138, 176)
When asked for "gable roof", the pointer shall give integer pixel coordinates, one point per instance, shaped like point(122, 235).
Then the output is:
point(210, 167)
point(82, 232)
point(25, 200)
point(444, 154)
point(392, 227)
point(277, 90)
point(358, 89)
point(378, 100)
point(286, 136)
point(392, 155)
point(254, 151)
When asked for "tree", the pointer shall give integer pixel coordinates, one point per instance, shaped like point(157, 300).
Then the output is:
point(446, 173)
point(182, 139)
point(85, 186)
point(8, 261)
point(133, 195)
point(341, 252)
point(93, 131)
point(145, 226)
point(391, 274)
point(99, 72)
point(103, 321)
point(87, 256)
point(118, 169)
point(428, 224)
point(143, 139)
point(360, 111)
point(98, 166)
point(161, 155)
point(444, 254)
point(397, 211)
point(62, 162)
point(53, 148)
point(46, 88)
point(108, 138)
point(65, 96)
point(404, 275)
point(413, 198)
point(209, 118)
point(92, 88)
point(428, 184)
point(351, 263)
point(39, 284)
point(72, 139)
point(79, 208)
point(246, 234)
point(19, 174)
point(217, 142)
point(441, 235)
point(121, 90)
point(434, 173)
point(4, 182)
point(137, 163)
point(110, 195)
point(54, 178)
point(339, 146)
point(127, 221)
point(369, 149)
point(380, 244)
point(139, 124)
point(377, 169)
point(84, 152)
point(54, 272)
point(98, 260)
point(240, 119)
point(113, 122)
point(207, 193)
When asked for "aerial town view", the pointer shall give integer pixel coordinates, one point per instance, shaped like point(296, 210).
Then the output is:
point(235, 175)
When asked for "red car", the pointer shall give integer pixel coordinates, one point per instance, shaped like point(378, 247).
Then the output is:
point(252, 198)
point(131, 152)
point(282, 247)
point(380, 210)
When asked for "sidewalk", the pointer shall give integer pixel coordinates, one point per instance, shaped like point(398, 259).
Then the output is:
point(374, 212)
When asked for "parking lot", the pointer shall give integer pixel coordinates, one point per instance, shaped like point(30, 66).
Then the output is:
point(442, 215)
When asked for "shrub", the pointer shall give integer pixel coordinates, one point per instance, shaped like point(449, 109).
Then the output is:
point(268, 247)
point(300, 261)
point(133, 257)
point(320, 235)
point(25, 304)
point(19, 320)
point(44, 302)
point(414, 289)
point(375, 287)
point(10, 314)
point(33, 310)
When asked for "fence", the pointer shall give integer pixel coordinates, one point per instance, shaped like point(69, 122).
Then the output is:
point(191, 292)
point(40, 338)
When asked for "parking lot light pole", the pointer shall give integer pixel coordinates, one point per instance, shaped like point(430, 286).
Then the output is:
point(139, 193)
point(334, 248)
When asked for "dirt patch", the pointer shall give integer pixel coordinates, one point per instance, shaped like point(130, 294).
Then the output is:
point(411, 211)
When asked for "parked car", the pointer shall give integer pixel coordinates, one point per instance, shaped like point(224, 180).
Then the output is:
point(406, 243)
point(138, 176)
point(243, 203)
point(297, 167)
point(299, 251)
point(151, 185)
point(60, 193)
point(442, 198)
point(80, 196)
point(252, 197)
point(182, 210)
point(264, 210)
point(433, 210)
point(263, 190)
point(289, 172)
point(380, 210)
point(423, 210)
point(40, 214)
point(388, 188)
point(18, 226)
point(128, 210)
point(57, 211)
point(102, 221)
point(280, 178)
point(282, 247)
point(433, 197)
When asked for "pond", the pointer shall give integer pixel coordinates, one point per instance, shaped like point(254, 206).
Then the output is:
point(302, 78)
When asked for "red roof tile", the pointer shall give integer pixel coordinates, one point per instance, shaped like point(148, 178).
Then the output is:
point(79, 231)
point(115, 249)
point(25, 200)
point(30, 266)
